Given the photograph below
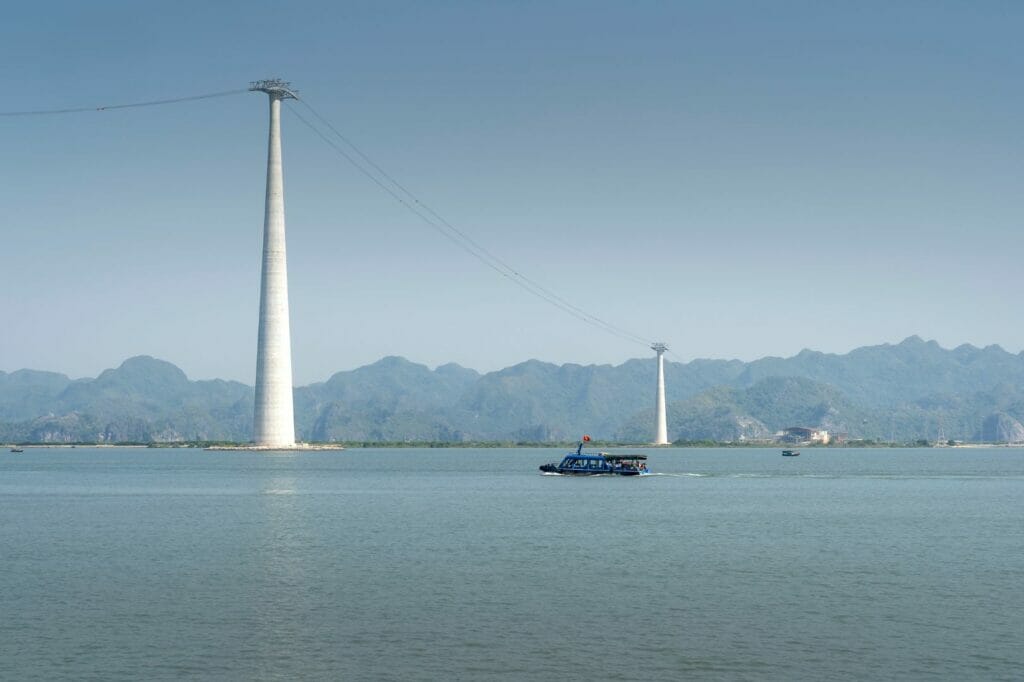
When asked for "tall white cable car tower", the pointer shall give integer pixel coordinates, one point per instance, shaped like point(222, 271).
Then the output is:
point(274, 418)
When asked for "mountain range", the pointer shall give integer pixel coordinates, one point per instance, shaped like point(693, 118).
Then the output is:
point(902, 392)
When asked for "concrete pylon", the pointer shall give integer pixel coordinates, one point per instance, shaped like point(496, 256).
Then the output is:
point(660, 421)
point(274, 418)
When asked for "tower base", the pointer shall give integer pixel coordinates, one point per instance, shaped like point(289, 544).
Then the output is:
point(303, 447)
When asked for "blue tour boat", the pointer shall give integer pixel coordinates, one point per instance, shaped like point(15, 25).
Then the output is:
point(581, 463)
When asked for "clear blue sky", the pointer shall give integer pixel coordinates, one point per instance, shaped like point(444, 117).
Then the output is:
point(738, 179)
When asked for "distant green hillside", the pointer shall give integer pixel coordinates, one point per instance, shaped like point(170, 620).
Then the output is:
point(757, 412)
point(142, 400)
point(911, 390)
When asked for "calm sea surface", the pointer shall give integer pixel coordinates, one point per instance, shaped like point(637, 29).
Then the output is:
point(469, 564)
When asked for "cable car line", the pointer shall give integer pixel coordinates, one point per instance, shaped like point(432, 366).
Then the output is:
point(109, 107)
point(433, 219)
point(396, 190)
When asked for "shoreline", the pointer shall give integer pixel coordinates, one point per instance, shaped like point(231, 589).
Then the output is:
point(496, 445)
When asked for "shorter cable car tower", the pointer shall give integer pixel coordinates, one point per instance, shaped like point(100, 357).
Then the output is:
point(660, 422)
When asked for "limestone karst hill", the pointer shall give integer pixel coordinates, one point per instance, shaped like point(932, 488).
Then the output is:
point(904, 391)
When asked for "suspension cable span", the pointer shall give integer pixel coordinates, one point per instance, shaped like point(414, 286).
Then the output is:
point(412, 203)
point(515, 273)
point(524, 284)
point(109, 107)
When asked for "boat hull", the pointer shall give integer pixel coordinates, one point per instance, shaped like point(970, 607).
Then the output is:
point(555, 469)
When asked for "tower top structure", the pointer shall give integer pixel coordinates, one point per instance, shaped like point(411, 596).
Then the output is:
point(659, 347)
point(275, 87)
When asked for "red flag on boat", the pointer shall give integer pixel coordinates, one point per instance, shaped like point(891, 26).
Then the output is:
point(586, 438)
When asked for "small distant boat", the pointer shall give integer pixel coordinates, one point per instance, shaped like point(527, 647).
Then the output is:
point(17, 450)
point(790, 453)
point(581, 463)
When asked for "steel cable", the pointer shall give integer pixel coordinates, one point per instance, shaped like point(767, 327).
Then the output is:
point(433, 219)
point(110, 107)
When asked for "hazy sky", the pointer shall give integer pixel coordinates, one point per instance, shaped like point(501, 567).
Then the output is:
point(738, 179)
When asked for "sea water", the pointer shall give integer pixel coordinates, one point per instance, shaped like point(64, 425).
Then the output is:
point(466, 564)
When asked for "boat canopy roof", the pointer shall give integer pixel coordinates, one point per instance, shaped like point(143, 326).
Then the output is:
point(604, 456)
